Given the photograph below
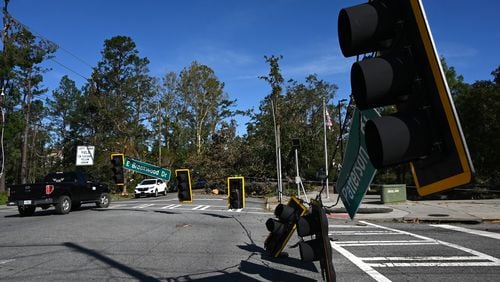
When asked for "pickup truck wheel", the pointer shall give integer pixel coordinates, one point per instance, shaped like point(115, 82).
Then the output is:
point(63, 205)
point(26, 210)
point(103, 201)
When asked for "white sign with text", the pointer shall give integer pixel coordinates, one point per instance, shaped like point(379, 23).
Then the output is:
point(85, 155)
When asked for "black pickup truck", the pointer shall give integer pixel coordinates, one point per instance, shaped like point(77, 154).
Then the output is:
point(64, 190)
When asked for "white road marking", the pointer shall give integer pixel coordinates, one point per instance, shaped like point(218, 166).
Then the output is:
point(368, 264)
point(432, 264)
point(387, 243)
point(360, 263)
point(142, 206)
point(470, 231)
point(421, 258)
point(362, 233)
point(167, 207)
point(174, 206)
point(483, 256)
point(201, 207)
point(115, 206)
point(347, 226)
point(6, 261)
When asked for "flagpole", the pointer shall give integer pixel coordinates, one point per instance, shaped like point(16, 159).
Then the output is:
point(326, 149)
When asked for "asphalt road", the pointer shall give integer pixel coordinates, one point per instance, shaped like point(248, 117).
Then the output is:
point(160, 239)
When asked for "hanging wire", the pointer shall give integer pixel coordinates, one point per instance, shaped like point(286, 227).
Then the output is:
point(51, 45)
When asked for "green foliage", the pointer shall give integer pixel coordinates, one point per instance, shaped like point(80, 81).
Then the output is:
point(479, 108)
point(3, 198)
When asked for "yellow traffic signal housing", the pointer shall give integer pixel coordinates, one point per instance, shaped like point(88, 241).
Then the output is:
point(117, 167)
point(184, 191)
point(236, 192)
point(281, 229)
point(315, 224)
point(403, 69)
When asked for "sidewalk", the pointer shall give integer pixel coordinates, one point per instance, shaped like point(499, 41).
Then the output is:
point(372, 208)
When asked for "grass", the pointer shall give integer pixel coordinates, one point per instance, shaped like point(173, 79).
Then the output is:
point(3, 198)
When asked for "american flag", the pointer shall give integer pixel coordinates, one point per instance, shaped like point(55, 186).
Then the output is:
point(328, 120)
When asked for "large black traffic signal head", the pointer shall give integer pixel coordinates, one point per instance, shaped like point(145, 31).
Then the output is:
point(315, 223)
point(117, 168)
point(282, 228)
point(236, 192)
point(401, 68)
point(183, 179)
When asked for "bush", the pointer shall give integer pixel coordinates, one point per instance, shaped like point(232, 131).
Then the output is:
point(3, 198)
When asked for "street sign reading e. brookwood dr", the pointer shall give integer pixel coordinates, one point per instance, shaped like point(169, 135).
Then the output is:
point(357, 170)
point(147, 169)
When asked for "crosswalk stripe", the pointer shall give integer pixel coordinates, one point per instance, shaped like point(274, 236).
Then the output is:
point(470, 231)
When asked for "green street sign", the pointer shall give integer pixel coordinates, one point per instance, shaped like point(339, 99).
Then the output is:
point(357, 170)
point(147, 169)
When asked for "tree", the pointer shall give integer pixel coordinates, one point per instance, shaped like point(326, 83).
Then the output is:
point(118, 99)
point(275, 80)
point(61, 109)
point(28, 79)
point(300, 116)
point(204, 103)
point(479, 110)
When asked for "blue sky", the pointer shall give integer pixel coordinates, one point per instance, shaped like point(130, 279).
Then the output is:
point(232, 36)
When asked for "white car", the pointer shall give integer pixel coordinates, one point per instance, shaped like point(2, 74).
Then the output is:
point(151, 187)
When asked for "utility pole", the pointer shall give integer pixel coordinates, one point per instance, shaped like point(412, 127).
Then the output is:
point(4, 82)
point(159, 134)
point(326, 146)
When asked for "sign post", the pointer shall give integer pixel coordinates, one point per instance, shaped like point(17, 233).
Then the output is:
point(147, 169)
point(357, 170)
point(85, 155)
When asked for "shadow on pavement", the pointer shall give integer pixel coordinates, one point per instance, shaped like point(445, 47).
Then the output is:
point(288, 261)
point(271, 274)
point(111, 262)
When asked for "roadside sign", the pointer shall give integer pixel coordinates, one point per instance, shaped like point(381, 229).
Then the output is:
point(357, 170)
point(85, 155)
point(147, 169)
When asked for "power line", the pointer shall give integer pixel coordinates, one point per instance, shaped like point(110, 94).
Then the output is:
point(50, 42)
point(66, 67)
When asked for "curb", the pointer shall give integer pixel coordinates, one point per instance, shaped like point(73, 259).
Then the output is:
point(360, 210)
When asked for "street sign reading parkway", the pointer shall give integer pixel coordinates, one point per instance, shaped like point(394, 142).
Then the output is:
point(357, 170)
point(147, 169)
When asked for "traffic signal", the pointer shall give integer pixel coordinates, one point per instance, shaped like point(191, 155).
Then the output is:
point(184, 185)
point(315, 224)
point(117, 167)
point(282, 228)
point(403, 69)
point(236, 191)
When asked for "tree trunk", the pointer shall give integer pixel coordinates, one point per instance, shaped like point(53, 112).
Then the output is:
point(24, 146)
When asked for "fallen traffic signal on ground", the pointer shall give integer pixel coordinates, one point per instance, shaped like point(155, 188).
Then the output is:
point(315, 224)
point(282, 228)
